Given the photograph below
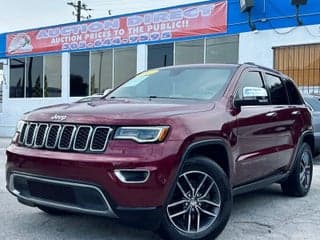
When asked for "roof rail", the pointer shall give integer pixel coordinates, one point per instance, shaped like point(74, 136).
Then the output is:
point(262, 67)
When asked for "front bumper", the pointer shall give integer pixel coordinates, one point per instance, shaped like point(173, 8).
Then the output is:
point(78, 197)
point(65, 195)
point(94, 174)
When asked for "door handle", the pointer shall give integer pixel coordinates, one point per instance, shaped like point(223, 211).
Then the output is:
point(295, 113)
point(271, 114)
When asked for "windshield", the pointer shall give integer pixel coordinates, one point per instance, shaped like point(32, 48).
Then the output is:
point(182, 82)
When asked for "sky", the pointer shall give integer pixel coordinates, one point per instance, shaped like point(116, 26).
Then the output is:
point(26, 14)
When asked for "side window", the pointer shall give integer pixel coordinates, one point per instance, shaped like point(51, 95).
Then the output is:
point(251, 79)
point(277, 90)
point(293, 93)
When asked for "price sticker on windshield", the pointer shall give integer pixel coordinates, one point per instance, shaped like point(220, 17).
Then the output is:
point(148, 73)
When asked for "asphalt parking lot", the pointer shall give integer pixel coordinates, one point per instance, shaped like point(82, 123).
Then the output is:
point(264, 214)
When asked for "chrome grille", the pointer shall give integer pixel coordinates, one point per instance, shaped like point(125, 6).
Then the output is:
point(99, 139)
point(82, 138)
point(23, 131)
point(65, 137)
point(53, 136)
point(30, 134)
point(41, 134)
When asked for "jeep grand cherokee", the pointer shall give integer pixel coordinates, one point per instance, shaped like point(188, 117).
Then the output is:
point(166, 150)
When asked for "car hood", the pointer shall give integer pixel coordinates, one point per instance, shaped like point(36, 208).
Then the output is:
point(116, 111)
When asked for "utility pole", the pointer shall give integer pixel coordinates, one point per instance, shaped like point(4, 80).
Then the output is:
point(79, 7)
point(79, 11)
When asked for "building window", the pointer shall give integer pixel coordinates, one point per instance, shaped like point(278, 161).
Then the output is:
point(79, 74)
point(101, 71)
point(1, 73)
point(112, 67)
point(222, 49)
point(189, 52)
point(125, 64)
point(301, 63)
point(52, 76)
point(211, 50)
point(34, 76)
point(160, 55)
point(1, 82)
point(17, 78)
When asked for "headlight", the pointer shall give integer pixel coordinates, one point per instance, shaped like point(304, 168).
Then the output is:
point(20, 126)
point(142, 134)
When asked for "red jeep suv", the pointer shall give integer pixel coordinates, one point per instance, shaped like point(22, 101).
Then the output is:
point(166, 150)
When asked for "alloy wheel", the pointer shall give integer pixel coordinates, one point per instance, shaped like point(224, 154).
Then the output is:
point(305, 170)
point(196, 202)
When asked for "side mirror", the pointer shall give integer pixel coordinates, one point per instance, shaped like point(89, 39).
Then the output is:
point(252, 96)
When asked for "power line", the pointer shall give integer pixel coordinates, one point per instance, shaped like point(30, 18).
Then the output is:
point(79, 7)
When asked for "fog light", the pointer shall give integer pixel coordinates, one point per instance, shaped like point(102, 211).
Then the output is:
point(132, 175)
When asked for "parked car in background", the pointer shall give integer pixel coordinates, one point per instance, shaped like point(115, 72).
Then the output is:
point(313, 103)
point(313, 90)
point(168, 149)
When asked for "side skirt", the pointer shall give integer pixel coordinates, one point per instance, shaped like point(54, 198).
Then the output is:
point(259, 184)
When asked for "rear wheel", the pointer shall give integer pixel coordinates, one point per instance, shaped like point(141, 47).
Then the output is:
point(201, 203)
point(299, 181)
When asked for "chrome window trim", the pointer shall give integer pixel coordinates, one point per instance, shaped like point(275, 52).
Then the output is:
point(109, 212)
point(106, 141)
point(71, 138)
point(88, 138)
point(33, 135)
point(57, 137)
point(44, 136)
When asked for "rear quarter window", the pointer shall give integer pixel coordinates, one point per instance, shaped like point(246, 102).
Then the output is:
point(293, 93)
point(277, 90)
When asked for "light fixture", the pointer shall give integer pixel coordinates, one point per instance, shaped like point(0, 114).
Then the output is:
point(297, 3)
point(246, 6)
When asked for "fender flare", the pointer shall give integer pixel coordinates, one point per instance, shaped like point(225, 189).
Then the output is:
point(299, 143)
point(194, 145)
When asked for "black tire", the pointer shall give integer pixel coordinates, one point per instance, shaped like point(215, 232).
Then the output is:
point(53, 211)
point(299, 181)
point(199, 201)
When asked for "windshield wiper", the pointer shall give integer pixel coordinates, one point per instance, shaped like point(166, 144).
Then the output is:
point(168, 97)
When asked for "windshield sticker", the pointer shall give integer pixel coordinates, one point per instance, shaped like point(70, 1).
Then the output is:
point(148, 73)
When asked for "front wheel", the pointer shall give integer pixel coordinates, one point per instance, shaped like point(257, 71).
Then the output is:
point(299, 181)
point(201, 203)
